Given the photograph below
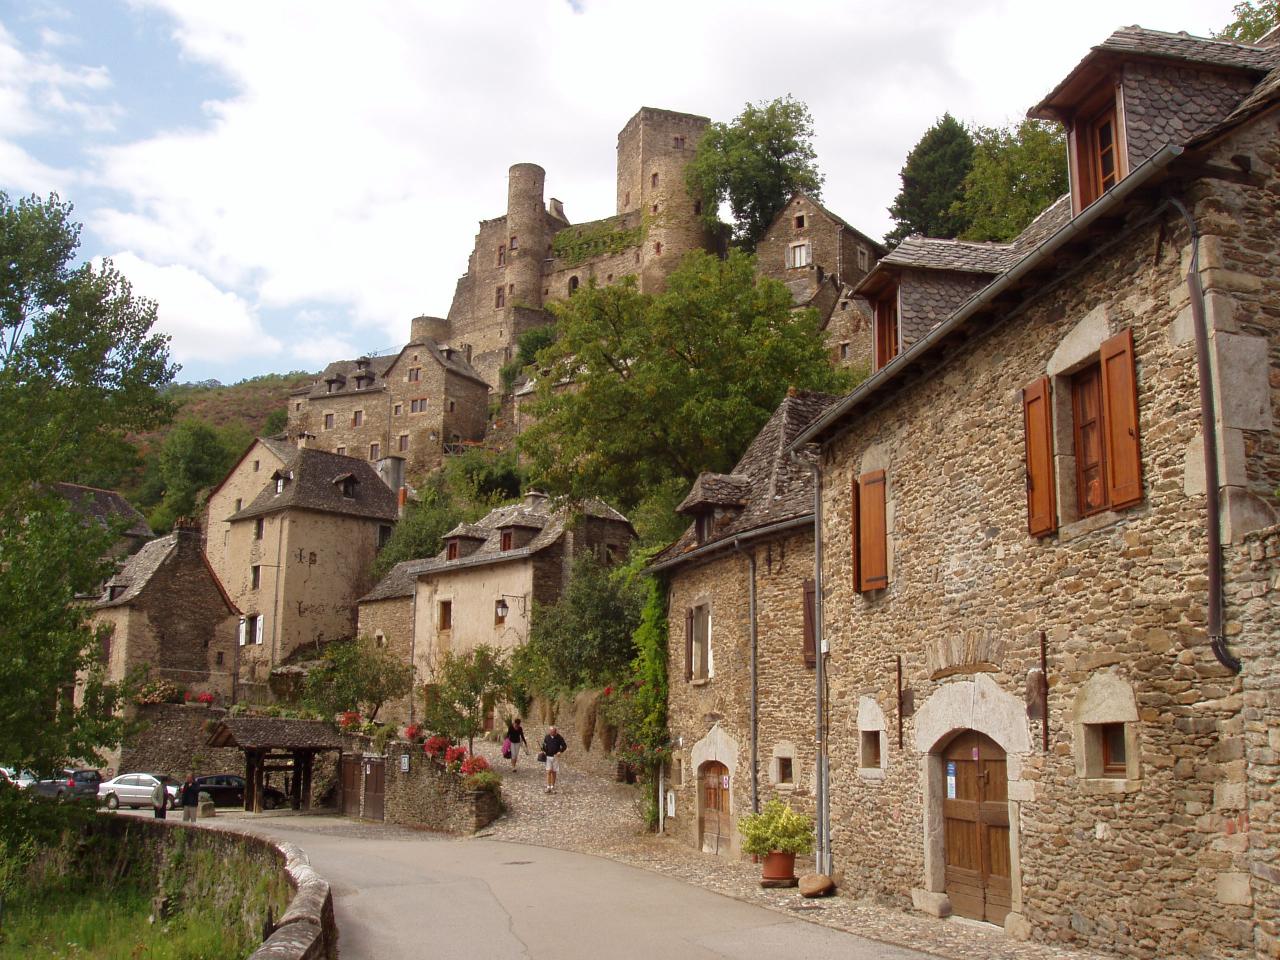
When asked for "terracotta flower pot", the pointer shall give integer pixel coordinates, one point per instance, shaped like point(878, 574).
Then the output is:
point(779, 866)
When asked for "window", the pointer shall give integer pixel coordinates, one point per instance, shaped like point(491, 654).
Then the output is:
point(657, 248)
point(415, 374)
point(258, 526)
point(218, 659)
point(402, 442)
point(809, 650)
point(445, 616)
point(280, 481)
point(786, 773)
point(1086, 418)
point(349, 487)
point(887, 344)
point(870, 536)
point(357, 418)
point(297, 406)
point(798, 254)
point(499, 613)
point(844, 351)
point(451, 550)
point(397, 410)
point(703, 526)
point(654, 208)
point(512, 245)
point(251, 630)
point(800, 221)
point(328, 421)
point(499, 297)
point(1113, 748)
point(697, 643)
point(864, 259)
point(340, 451)
point(502, 254)
point(418, 406)
point(238, 502)
point(697, 208)
point(507, 539)
point(384, 534)
point(1097, 148)
point(653, 180)
point(452, 406)
point(375, 451)
point(869, 758)
point(573, 285)
point(115, 592)
point(255, 577)
point(255, 466)
point(257, 629)
point(626, 201)
point(678, 142)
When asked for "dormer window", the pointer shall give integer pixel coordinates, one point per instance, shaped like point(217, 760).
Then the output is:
point(887, 341)
point(703, 525)
point(279, 484)
point(281, 478)
point(451, 550)
point(1098, 159)
point(507, 540)
point(347, 484)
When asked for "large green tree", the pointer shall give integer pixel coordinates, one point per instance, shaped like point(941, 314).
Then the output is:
point(193, 457)
point(932, 183)
point(1017, 171)
point(466, 687)
point(755, 163)
point(643, 393)
point(357, 675)
point(1253, 20)
point(79, 368)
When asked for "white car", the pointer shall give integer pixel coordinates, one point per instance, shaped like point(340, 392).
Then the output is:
point(134, 790)
point(19, 778)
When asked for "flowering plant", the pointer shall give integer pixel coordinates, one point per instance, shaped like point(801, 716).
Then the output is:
point(474, 764)
point(206, 698)
point(158, 691)
point(454, 756)
point(413, 733)
point(349, 719)
point(435, 746)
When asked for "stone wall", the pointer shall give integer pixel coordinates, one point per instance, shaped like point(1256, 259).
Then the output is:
point(1151, 863)
point(427, 795)
point(851, 322)
point(173, 739)
point(832, 246)
point(391, 623)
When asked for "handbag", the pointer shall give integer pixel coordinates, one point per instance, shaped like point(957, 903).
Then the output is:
point(506, 748)
point(542, 757)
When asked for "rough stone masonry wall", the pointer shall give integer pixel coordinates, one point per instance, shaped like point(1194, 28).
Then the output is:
point(428, 795)
point(174, 740)
point(1146, 867)
point(393, 619)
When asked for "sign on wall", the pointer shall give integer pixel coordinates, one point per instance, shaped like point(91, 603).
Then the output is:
point(671, 803)
point(404, 763)
point(951, 779)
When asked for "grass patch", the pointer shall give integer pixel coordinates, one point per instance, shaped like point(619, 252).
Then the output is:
point(108, 925)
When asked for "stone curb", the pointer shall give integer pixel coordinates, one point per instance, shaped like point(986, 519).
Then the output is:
point(306, 930)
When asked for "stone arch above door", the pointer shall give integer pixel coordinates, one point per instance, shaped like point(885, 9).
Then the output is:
point(978, 704)
point(716, 745)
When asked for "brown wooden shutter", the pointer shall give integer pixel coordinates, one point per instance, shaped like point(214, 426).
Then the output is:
point(1037, 418)
point(1120, 418)
point(688, 645)
point(873, 553)
point(810, 648)
point(853, 533)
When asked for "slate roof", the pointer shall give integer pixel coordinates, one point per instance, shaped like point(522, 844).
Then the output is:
point(550, 522)
point(345, 371)
point(256, 733)
point(312, 487)
point(104, 506)
point(279, 445)
point(960, 255)
point(778, 488)
point(717, 490)
point(138, 571)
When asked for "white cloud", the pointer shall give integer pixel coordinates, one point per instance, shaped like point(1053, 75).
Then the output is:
point(206, 323)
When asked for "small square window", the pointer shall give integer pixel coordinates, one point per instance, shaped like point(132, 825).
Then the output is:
point(238, 503)
point(446, 615)
point(678, 142)
point(255, 577)
point(513, 246)
point(328, 421)
point(415, 374)
point(296, 407)
point(798, 254)
point(397, 410)
point(870, 759)
point(785, 770)
point(800, 221)
point(844, 351)
point(340, 451)
point(375, 451)
point(255, 466)
point(402, 442)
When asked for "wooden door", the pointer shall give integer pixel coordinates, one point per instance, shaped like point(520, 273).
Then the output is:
point(716, 827)
point(374, 787)
point(975, 812)
point(349, 778)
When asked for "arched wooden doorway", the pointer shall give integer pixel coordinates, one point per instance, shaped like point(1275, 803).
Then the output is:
point(975, 810)
point(714, 825)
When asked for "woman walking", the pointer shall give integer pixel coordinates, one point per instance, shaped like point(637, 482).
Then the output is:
point(515, 738)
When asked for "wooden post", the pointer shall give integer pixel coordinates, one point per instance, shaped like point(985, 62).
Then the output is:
point(307, 758)
point(249, 773)
point(258, 782)
point(295, 781)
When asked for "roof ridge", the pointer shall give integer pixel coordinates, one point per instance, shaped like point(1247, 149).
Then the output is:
point(1189, 36)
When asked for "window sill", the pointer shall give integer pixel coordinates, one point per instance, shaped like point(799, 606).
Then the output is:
point(700, 683)
point(784, 787)
point(1079, 528)
point(1106, 786)
point(871, 773)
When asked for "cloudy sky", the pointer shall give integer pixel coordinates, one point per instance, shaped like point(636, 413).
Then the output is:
point(292, 181)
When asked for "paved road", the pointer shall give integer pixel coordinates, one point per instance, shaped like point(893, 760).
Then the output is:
point(403, 894)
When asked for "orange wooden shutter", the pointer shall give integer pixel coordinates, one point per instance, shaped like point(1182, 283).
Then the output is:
point(1037, 418)
point(688, 645)
point(1120, 417)
point(873, 553)
point(853, 533)
point(810, 648)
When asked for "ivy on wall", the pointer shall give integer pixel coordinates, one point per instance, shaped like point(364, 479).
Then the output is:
point(578, 244)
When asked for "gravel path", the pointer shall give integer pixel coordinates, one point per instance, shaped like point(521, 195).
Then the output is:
point(589, 814)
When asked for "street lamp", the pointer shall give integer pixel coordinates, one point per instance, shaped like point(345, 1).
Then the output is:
point(501, 609)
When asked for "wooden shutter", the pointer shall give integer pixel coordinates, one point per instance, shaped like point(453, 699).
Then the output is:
point(243, 624)
point(873, 553)
point(688, 645)
point(853, 533)
point(810, 648)
point(1120, 419)
point(1037, 418)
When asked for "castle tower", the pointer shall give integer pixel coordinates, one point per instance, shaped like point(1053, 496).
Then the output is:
point(654, 148)
point(527, 235)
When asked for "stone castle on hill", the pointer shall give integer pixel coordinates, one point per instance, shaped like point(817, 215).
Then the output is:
point(434, 396)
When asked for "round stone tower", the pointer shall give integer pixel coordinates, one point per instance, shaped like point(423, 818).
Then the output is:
point(422, 329)
point(526, 235)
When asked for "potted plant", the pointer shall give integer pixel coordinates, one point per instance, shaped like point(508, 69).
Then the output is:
point(777, 833)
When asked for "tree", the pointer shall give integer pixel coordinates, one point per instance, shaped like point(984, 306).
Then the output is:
point(357, 675)
point(1017, 171)
point(421, 530)
point(755, 163)
point(466, 687)
point(79, 368)
point(193, 457)
point(1254, 19)
point(277, 421)
point(932, 183)
point(665, 387)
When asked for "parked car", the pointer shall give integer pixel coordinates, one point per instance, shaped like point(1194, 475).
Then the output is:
point(227, 790)
point(69, 784)
point(134, 790)
point(19, 778)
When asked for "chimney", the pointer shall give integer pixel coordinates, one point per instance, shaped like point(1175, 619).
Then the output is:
point(535, 500)
point(391, 469)
point(189, 534)
point(556, 209)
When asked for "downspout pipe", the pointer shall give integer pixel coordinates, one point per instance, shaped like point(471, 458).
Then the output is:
point(754, 705)
point(1208, 427)
point(821, 775)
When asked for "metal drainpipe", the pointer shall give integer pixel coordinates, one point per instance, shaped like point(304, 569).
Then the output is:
point(754, 706)
point(822, 863)
point(1208, 427)
point(413, 648)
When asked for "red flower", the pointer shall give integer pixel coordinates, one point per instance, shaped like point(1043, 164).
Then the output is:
point(205, 697)
point(474, 765)
point(349, 719)
point(608, 690)
point(455, 754)
point(436, 745)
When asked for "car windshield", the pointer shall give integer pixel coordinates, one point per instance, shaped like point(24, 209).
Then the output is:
point(167, 780)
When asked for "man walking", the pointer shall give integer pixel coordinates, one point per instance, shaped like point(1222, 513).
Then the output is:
point(552, 746)
point(190, 799)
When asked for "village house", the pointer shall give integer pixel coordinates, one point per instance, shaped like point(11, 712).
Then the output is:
point(299, 554)
point(247, 478)
point(481, 587)
point(821, 258)
point(107, 508)
point(740, 656)
point(1050, 566)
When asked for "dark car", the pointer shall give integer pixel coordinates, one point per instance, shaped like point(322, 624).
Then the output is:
point(69, 784)
point(227, 790)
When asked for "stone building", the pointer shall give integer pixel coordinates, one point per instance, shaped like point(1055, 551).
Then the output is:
point(247, 478)
point(106, 508)
point(170, 617)
point(1049, 702)
point(299, 554)
point(821, 258)
point(481, 587)
point(417, 404)
point(740, 650)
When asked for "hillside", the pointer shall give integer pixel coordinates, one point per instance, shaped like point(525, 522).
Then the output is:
point(244, 405)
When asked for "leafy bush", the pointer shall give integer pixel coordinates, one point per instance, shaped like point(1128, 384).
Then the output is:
point(356, 674)
point(776, 829)
point(484, 780)
point(158, 691)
